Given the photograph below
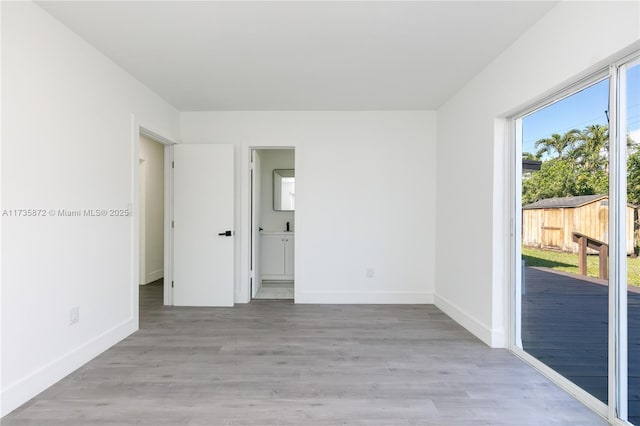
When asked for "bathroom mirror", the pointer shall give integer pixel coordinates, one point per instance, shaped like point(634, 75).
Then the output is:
point(284, 194)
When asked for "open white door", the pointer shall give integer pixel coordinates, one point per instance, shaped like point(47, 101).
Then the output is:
point(203, 209)
point(256, 203)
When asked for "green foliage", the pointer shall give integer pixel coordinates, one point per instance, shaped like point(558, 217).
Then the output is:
point(560, 145)
point(577, 163)
point(591, 152)
point(633, 188)
point(554, 179)
point(633, 178)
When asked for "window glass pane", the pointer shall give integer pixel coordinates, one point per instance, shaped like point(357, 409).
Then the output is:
point(632, 109)
point(565, 217)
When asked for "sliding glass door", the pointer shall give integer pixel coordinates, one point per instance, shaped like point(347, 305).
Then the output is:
point(629, 75)
point(576, 286)
point(564, 227)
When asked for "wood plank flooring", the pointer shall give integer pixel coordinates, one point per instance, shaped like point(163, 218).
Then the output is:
point(565, 325)
point(276, 363)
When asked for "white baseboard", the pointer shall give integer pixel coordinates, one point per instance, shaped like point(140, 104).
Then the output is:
point(153, 276)
point(492, 338)
point(378, 297)
point(26, 388)
point(498, 338)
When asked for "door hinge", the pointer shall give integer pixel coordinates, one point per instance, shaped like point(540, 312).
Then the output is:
point(171, 284)
point(252, 274)
point(173, 164)
point(172, 224)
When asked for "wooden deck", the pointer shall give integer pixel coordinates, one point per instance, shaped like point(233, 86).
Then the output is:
point(565, 325)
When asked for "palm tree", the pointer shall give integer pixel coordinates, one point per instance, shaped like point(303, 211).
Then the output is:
point(592, 151)
point(557, 144)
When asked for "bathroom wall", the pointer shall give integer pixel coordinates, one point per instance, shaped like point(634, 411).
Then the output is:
point(271, 220)
point(153, 263)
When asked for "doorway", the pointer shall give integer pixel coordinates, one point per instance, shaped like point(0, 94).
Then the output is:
point(272, 224)
point(151, 214)
point(575, 283)
point(563, 315)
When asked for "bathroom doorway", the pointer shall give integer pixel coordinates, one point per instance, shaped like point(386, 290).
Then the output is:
point(273, 195)
point(151, 211)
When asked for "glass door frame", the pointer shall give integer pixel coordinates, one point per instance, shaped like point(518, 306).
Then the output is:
point(618, 304)
point(616, 409)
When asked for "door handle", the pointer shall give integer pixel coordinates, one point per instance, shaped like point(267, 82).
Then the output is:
point(225, 234)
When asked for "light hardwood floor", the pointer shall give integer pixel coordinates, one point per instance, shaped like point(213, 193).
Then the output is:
point(276, 363)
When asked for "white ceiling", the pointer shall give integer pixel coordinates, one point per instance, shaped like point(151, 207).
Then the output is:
point(301, 55)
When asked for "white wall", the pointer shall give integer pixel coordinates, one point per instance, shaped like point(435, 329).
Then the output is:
point(67, 143)
point(350, 212)
point(472, 163)
point(153, 155)
point(272, 220)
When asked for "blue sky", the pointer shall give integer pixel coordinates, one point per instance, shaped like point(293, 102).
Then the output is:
point(580, 110)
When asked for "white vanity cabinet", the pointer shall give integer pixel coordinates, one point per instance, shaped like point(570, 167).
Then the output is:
point(276, 256)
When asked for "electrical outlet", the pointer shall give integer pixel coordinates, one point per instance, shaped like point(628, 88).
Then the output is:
point(369, 272)
point(74, 315)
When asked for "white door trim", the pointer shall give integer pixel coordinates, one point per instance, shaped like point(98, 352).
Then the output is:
point(255, 281)
point(243, 294)
point(138, 128)
point(142, 253)
point(168, 224)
